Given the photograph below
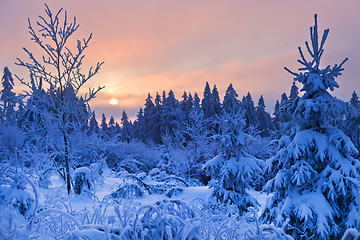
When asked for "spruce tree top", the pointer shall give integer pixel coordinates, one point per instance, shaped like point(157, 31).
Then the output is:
point(317, 108)
point(314, 79)
point(294, 93)
point(261, 103)
point(7, 79)
point(354, 101)
point(124, 117)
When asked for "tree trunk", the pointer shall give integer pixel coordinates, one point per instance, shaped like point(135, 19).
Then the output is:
point(67, 164)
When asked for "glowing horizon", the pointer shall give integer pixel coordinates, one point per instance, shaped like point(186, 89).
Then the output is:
point(149, 47)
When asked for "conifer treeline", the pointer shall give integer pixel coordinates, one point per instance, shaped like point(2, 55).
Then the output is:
point(162, 115)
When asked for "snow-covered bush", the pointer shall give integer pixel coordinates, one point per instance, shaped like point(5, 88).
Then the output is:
point(13, 192)
point(82, 180)
point(97, 170)
point(11, 226)
point(316, 179)
point(166, 159)
point(166, 220)
point(232, 170)
point(128, 191)
point(198, 141)
point(18, 204)
point(41, 162)
point(218, 221)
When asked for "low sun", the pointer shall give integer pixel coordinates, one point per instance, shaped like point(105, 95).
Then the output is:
point(113, 101)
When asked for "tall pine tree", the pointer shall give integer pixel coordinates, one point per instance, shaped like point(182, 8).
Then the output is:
point(207, 102)
point(126, 130)
point(316, 184)
point(230, 104)
point(93, 125)
point(196, 102)
point(249, 108)
point(8, 98)
point(354, 101)
point(276, 118)
point(263, 118)
point(104, 127)
point(216, 101)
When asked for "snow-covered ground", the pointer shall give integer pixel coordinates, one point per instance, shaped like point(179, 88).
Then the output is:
point(110, 184)
point(88, 215)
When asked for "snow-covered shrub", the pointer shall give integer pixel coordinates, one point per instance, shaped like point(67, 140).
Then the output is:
point(218, 221)
point(198, 141)
point(54, 224)
point(18, 205)
point(11, 226)
point(44, 179)
point(166, 159)
point(82, 180)
point(135, 186)
point(132, 164)
point(175, 191)
point(128, 191)
point(112, 161)
point(166, 220)
point(41, 162)
point(97, 170)
point(232, 170)
point(316, 179)
point(13, 192)
point(176, 161)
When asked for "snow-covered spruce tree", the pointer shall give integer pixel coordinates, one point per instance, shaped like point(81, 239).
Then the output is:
point(196, 102)
point(232, 170)
point(354, 101)
point(249, 108)
point(292, 101)
point(263, 118)
point(207, 102)
point(8, 126)
point(276, 118)
point(151, 113)
point(230, 103)
point(8, 98)
point(111, 127)
point(284, 113)
point(93, 125)
point(139, 125)
point(186, 105)
point(171, 115)
point(104, 127)
point(351, 125)
point(127, 132)
point(317, 182)
point(198, 140)
point(156, 119)
point(216, 101)
point(58, 70)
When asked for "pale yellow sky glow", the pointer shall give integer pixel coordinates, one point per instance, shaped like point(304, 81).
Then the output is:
point(151, 46)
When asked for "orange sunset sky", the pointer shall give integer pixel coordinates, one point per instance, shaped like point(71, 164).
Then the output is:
point(151, 46)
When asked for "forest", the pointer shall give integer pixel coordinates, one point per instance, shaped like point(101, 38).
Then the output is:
point(197, 167)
